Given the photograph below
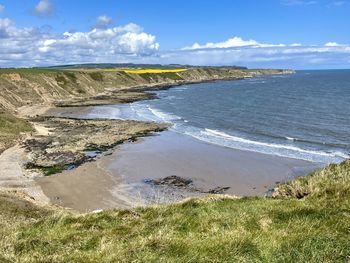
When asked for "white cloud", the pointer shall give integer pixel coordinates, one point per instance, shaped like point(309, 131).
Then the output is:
point(32, 46)
point(231, 43)
point(2, 8)
point(331, 44)
point(251, 53)
point(129, 43)
point(103, 21)
point(273, 56)
point(44, 8)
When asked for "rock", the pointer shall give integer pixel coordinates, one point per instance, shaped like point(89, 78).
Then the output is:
point(183, 183)
point(172, 180)
point(218, 190)
point(74, 141)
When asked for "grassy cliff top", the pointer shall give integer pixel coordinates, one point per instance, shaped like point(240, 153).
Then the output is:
point(307, 221)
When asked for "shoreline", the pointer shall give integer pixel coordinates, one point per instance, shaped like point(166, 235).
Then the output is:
point(42, 110)
point(119, 179)
point(209, 166)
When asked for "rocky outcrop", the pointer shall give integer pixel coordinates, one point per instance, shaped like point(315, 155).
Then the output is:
point(70, 142)
point(177, 182)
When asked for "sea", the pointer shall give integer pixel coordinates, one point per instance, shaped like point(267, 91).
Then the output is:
point(305, 115)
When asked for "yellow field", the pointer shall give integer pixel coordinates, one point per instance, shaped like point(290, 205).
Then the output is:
point(151, 70)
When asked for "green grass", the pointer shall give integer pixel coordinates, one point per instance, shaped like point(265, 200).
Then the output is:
point(61, 80)
point(210, 229)
point(170, 75)
point(96, 76)
point(27, 70)
point(147, 76)
point(71, 76)
point(47, 171)
point(329, 187)
point(11, 129)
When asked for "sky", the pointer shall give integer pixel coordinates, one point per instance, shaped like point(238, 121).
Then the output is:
point(300, 34)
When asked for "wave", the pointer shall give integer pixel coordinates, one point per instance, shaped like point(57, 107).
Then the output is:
point(280, 149)
point(290, 138)
point(148, 113)
point(300, 140)
point(162, 115)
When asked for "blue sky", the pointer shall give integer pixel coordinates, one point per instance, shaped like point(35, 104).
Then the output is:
point(270, 33)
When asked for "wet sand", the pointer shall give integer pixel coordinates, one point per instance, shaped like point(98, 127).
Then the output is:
point(69, 112)
point(87, 188)
point(118, 179)
point(208, 165)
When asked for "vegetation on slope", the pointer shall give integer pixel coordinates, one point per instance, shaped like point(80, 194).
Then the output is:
point(326, 187)
point(21, 87)
point(287, 228)
point(11, 129)
point(153, 71)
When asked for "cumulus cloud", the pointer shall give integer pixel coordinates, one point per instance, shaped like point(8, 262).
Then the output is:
point(34, 46)
point(251, 53)
point(2, 8)
point(287, 56)
point(230, 43)
point(44, 8)
point(103, 21)
point(129, 43)
point(331, 44)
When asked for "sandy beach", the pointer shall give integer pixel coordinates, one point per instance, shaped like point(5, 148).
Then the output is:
point(119, 179)
point(208, 165)
point(86, 188)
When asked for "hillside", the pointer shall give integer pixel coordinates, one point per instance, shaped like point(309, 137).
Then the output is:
point(314, 227)
point(25, 88)
point(306, 220)
point(20, 87)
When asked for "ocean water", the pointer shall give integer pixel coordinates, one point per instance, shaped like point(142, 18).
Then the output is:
point(304, 116)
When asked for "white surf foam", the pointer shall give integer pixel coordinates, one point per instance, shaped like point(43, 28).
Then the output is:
point(290, 138)
point(148, 113)
point(162, 115)
point(276, 149)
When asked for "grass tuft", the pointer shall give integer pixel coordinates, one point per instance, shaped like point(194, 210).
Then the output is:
point(329, 186)
point(215, 228)
point(226, 230)
point(11, 129)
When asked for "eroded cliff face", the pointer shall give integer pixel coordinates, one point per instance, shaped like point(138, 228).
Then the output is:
point(29, 92)
point(21, 87)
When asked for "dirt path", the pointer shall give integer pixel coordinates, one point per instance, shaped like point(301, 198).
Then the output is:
point(13, 178)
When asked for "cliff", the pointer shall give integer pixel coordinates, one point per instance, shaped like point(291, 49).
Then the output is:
point(20, 87)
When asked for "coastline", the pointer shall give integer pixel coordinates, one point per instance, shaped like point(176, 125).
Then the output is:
point(162, 190)
point(76, 114)
point(120, 178)
point(209, 166)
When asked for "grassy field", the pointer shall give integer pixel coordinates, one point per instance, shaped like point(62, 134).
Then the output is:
point(313, 227)
point(27, 70)
point(152, 71)
point(11, 129)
